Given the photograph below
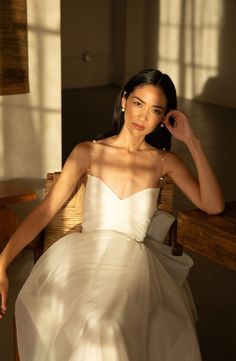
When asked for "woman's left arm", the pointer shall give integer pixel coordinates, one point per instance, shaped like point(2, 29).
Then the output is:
point(205, 192)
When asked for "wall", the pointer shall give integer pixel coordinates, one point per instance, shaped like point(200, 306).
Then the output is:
point(192, 41)
point(129, 38)
point(111, 31)
point(30, 124)
point(194, 46)
point(86, 28)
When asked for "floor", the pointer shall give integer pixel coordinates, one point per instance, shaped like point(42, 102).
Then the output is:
point(213, 286)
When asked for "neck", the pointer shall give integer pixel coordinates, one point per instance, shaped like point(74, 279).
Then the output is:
point(129, 142)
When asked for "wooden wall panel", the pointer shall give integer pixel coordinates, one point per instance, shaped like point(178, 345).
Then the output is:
point(13, 47)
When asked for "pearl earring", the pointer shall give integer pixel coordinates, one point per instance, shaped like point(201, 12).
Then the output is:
point(122, 109)
point(162, 125)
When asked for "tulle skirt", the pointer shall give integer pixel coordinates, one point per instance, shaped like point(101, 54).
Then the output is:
point(102, 296)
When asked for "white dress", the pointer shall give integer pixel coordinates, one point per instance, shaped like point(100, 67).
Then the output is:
point(103, 294)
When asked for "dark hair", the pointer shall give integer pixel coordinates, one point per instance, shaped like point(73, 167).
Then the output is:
point(159, 137)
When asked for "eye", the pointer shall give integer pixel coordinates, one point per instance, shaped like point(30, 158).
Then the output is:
point(137, 103)
point(156, 111)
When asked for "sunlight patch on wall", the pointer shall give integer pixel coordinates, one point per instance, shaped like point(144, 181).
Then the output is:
point(189, 42)
point(169, 28)
point(31, 123)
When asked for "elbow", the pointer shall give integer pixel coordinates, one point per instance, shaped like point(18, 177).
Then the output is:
point(216, 209)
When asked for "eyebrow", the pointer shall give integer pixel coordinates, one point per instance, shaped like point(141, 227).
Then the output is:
point(155, 106)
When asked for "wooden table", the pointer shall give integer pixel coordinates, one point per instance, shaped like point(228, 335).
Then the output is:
point(11, 191)
point(212, 236)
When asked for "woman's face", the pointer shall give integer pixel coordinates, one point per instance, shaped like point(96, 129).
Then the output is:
point(145, 108)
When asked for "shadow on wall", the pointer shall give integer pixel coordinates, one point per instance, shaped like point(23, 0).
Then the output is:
point(220, 89)
point(192, 42)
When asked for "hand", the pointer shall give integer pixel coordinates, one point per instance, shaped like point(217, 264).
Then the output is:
point(181, 129)
point(3, 292)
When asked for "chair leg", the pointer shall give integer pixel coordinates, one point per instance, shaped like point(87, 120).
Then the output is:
point(16, 354)
point(177, 249)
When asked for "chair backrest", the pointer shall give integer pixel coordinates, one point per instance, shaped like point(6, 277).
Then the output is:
point(70, 216)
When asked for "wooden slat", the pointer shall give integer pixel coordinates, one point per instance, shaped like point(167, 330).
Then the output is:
point(165, 201)
point(69, 217)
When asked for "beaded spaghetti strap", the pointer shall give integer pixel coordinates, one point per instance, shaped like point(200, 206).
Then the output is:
point(161, 180)
point(91, 157)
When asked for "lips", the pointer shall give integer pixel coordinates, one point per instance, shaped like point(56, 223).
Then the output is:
point(138, 126)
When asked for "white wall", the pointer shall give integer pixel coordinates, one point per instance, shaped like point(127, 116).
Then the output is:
point(30, 124)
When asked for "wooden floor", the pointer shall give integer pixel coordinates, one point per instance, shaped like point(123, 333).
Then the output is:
point(213, 286)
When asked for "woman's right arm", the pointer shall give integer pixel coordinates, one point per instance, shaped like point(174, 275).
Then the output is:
point(74, 168)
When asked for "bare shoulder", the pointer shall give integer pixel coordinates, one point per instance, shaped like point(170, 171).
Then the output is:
point(83, 148)
point(105, 141)
point(175, 167)
point(171, 161)
point(74, 168)
point(171, 157)
point(79, 158)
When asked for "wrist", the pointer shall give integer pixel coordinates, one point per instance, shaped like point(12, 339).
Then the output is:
point(193, 142)
point(3, 267)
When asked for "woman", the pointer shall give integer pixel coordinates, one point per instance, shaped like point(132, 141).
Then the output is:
point(103, 294)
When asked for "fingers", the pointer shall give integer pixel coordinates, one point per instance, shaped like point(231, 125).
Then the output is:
point(167, 124)
point(179, 125)
point(170, 120)
point(167, 117)
point(173, 118)
point(4, 302)
point(172, 114)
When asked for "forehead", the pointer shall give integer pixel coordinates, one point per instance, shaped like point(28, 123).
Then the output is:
point(150, 94)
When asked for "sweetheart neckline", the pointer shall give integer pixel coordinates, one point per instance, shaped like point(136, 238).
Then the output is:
point(127, 197)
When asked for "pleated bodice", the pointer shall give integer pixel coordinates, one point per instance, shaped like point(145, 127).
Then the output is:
point(104, 210)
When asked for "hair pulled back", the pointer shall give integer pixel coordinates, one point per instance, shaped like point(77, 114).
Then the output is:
point(160, 137)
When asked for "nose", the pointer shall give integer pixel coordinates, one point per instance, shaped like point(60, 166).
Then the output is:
point(144, 115)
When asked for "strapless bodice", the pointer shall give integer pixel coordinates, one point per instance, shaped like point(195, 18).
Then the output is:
point(104, 210)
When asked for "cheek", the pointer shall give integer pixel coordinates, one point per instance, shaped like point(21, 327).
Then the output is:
point(155, 122)
point(130, 113)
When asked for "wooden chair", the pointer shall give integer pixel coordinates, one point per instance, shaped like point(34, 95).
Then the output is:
point(70, 217)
